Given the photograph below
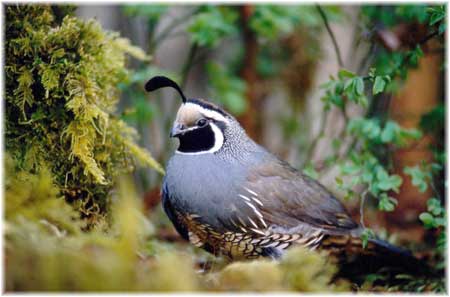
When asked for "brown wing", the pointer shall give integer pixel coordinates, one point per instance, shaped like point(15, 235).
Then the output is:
point(278, 197)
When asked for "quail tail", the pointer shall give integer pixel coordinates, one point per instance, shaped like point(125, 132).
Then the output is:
point(378, 255)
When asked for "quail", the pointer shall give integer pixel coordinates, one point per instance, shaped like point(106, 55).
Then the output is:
point(230, 196)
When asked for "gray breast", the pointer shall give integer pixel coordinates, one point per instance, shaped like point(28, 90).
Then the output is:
point(207, 185)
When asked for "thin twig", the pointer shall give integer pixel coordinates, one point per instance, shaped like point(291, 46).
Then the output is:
point(330, 32)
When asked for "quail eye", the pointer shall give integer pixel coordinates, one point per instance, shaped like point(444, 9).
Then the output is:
point(202, 122)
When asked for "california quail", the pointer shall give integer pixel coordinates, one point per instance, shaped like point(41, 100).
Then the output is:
point(230, 196)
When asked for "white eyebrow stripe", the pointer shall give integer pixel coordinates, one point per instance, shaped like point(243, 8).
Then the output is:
point(207, 112)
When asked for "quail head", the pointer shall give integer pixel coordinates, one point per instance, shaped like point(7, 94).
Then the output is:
point(225, 193)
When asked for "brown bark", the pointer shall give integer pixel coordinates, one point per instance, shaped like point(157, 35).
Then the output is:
point(251, 119)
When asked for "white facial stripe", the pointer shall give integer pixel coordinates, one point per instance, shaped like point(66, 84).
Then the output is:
point(207, 112)
point(190, 129)
point(218, 142)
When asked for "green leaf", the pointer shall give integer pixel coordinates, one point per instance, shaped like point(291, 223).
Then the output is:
point(387, 183)
point(348, 83)
point(387, 203)
point(389, 132)
point(434, 206)
point(427, 219)
point(366, 235)
point(359, 86)
point(344, 73)
point(378, 85)
point(209, 27)
point(419, 177)
point(437, 15)
point(440, 221)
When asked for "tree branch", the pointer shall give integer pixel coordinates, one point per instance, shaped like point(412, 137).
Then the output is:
point(330, 32)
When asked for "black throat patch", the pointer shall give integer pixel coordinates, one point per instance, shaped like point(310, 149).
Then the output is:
point(197, 140)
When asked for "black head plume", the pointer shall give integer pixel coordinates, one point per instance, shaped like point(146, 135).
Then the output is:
point(158, 82)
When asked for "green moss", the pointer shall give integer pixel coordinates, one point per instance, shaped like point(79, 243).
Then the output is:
point(309, 271)
point(262, 275)
point(61, 94)
point(44, 255)
point(298, 270)
point(33, 197)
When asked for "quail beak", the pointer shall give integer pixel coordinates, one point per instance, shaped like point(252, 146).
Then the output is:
point(177, 130)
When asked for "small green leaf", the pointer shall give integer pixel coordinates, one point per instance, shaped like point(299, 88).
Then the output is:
point(348, 83)
point(344, 73)
point(388, 183)
point(389, 132)
point(437, 15)
point(378, 85)
point(387, 203)
point(365, 236)
point(427, 219)
point(359, 86)
point(419, 178)
point(434, 206)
